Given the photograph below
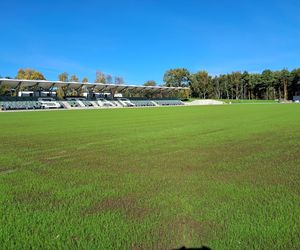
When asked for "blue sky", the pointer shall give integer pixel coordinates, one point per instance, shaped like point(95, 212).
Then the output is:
point(140, 40)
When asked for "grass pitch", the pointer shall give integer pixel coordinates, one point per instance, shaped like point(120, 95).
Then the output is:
point(226, 177)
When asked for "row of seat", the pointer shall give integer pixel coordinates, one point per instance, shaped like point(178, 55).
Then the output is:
point(128, 103)
point(73, 104)
point(143, 103)
point(169, 102)
point(87, 104)
point(52, 103)
point(21, 98)
point(20, 105)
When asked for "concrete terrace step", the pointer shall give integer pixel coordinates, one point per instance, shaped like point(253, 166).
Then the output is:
point(66, 105)
point(80, 103)
point(155, 104)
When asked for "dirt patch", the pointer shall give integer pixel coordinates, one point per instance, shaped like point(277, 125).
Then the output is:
point(179, 232)
point(127, 205)
point(8, 171)
point(31, 196)
point(184, 231)
point(186, 226)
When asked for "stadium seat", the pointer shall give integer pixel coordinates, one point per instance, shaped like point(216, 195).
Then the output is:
point(142, 103)
point(169, 102)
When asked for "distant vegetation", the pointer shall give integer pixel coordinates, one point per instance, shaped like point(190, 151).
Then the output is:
point(150, 83)
point(32, 74)
point(268, 85)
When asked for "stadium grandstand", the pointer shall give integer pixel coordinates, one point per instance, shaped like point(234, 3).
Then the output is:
point(40, 94)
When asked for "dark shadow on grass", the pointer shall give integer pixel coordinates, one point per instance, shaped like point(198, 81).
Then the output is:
point(193, 248)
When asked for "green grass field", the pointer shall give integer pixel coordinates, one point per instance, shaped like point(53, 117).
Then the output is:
point(227, 177)
point(245, 101)
point(238, 101)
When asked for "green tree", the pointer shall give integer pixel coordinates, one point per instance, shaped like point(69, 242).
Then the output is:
point(223, 81)
point(285, 78)
point(179, 77)
point(63, 77)
point(245, 84)
point(235, 84)
point(256, 81)
point(295, 82)
point(268, 81)
point(74, 78)
point(85, 79)
point(150, 83)
point(200, 84)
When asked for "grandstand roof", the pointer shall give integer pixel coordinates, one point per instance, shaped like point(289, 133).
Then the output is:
point(97, 87)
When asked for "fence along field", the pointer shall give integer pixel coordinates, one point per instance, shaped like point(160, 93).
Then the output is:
point(226, 177)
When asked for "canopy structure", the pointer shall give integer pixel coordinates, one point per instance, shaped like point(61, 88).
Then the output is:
point(44, 85)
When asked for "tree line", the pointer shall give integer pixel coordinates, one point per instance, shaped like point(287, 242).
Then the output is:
point(32, 74)
point(281, 84)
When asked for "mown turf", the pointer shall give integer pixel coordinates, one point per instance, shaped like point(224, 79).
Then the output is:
point(246, 101)
point(226, 177)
